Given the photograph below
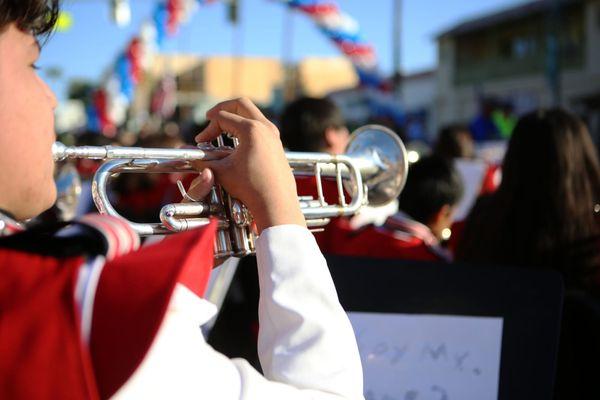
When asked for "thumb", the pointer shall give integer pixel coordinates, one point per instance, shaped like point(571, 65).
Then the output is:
point(200, 187)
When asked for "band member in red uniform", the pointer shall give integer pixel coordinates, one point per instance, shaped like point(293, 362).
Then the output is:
point(427, 206)
point(84, 315)
point(455, 142)
point(314, 125)
point(317, 125)
point(480, 177)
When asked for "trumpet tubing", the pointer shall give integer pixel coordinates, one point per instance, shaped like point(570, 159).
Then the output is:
point(373, 171)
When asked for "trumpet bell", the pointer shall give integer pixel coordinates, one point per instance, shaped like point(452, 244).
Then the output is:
point(384, 162)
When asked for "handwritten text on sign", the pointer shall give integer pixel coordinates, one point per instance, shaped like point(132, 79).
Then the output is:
point(428, 357)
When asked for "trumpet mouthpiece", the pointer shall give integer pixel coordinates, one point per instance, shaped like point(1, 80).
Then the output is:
point(59, 151)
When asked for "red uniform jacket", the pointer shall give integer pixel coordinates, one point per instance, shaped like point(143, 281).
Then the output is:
point(43, 352)
point(306, 186)
point(399, 238)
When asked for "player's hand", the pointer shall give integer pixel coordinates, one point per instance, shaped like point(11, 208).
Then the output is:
point(257, 172)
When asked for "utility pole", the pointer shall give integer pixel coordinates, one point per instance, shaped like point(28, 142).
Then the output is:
point(233, 15)
point(553, 68)
point(287, 55)
point(397, 47)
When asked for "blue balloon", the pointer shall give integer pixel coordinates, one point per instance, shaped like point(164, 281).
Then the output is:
point(123, 70)
point(161, 19)
point(93, 121)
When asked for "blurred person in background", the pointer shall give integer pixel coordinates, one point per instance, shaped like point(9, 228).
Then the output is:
point(313, 125)
point(310, 124)
point(482, 126)
point(455, 142)
point(546, 206)
point(545, 215)
point(317, 125)
point(190, 129)
point(504, 118)
point(426, 212)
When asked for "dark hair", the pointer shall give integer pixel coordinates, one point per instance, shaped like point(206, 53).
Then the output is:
point(35, 16)
point(454, 141)
point(543, 212)
point(304, 121)
point(432, 182)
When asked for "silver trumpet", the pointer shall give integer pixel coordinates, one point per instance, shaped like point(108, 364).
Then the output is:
point(372, 171)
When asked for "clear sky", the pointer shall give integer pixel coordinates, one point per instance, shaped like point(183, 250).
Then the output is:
point(93, 42)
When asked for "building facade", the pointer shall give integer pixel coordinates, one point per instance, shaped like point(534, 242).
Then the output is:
point(411, 107)
point(539, 54)
point(202, 82)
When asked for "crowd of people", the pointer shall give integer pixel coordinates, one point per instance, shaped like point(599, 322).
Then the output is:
point(539, 209)
point(85, 312)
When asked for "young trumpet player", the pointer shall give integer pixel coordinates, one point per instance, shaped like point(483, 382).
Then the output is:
point(85, 314)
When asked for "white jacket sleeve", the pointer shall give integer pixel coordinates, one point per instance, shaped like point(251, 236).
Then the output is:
point(305, 337)
point(306, 343)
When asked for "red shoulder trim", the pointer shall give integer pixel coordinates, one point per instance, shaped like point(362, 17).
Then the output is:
point(120, 237)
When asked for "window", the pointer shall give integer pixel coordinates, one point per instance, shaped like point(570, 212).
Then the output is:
point(523, 47)
point(519, 47)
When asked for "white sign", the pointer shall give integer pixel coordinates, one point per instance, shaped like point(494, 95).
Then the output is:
point(428, 357)
point(472, 173)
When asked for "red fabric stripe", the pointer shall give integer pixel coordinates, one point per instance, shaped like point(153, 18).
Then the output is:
point(320, 9)
point(10, 226)
point(116, 242)
point(121, 234)
point(134, 239)
point(121, 238)
point(97, 223)
point(353, 49)
point(13, 229)
point(413, 228)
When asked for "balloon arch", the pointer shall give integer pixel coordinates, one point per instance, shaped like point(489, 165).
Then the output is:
point(109, 102)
